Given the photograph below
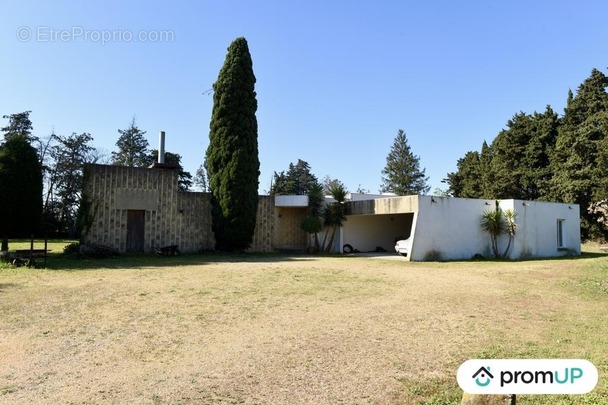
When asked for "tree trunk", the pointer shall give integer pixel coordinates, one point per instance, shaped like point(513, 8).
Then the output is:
point(508, 247)
point(4, 244)
point(331, 240)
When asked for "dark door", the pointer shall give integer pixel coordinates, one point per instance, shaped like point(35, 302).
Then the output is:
point(135, 230)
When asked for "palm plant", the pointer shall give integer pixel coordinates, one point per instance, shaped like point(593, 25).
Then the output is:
point(312, 224)
point(510, 228)
point(334, 215)
point(497, 222)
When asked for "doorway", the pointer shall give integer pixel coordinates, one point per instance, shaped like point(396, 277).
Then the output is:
point(136, 220)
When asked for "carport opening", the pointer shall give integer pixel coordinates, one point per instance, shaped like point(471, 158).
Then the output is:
point(377, 233)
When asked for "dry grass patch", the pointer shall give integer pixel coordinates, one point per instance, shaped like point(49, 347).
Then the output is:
point(282, 330)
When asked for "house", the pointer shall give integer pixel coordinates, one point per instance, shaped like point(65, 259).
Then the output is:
point(140, 209)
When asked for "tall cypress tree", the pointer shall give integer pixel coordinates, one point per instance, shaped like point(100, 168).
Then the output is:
point(232, 156)
point(402, 174)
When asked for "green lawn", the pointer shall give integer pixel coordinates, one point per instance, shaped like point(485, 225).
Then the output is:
point(289, 329)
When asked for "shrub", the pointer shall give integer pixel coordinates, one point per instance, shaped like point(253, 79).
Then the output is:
point(73, 249)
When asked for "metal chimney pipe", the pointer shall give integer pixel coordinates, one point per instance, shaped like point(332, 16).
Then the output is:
point(161, 147)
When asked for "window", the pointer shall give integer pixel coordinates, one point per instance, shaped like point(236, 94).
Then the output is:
point(560, 233)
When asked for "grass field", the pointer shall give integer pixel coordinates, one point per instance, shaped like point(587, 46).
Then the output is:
point(272, 329)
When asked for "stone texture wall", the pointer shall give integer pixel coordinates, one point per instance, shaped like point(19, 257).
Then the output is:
point(288, 229)
point(265, 226)
point(172, 217)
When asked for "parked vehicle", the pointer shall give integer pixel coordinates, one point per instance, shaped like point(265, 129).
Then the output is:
point(401, 247)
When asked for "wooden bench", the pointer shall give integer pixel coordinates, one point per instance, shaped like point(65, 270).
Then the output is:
point(28, 257)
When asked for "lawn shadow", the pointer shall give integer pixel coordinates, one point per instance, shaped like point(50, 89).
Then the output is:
point(6, 286)
point(63, 262)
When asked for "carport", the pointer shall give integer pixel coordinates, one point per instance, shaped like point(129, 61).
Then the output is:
point(375, 224)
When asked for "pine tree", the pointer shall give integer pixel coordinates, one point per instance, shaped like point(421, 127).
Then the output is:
point(296, 181)
point(465, 181)
point(132, 147)
point(520, 156)
point(576, 161)
point(402, 174)
point(70, 154)
point(200, 179)
point(184, 178)
point(486, 177)
point(18, 124)
point(232, 156)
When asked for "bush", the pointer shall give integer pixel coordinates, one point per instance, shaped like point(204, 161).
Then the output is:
point(89, 251)
point(73, 249)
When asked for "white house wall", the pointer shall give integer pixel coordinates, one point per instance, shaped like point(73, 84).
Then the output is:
point(449, 228)
point(537, 229)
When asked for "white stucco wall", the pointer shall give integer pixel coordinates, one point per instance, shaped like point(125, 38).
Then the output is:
point(537, 228)
point(451, 228)
point(448, 228)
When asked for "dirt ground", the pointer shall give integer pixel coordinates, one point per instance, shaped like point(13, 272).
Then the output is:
point(287, 330)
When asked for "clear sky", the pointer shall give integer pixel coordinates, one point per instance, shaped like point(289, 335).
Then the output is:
point(336, 80)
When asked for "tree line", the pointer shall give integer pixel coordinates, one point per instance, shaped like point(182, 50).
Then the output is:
point(547, 157)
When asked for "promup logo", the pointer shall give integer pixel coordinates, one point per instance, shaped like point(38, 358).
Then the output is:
point(567, 376)
point(483, 374)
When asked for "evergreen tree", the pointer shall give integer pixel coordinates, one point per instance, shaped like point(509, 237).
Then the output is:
point(200, 179)
point(132, 147)
point(330, 184)
point(70, 154)
point(18, 124)
point(465, 181)
point(232, 156)
point(520, 156)
point(20, 189)
point(296, 181)
point(184, 178)
point(402, 174)
point(485, 170)
point(576, 161)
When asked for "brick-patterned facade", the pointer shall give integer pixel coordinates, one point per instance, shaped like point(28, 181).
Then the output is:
point(171, 216)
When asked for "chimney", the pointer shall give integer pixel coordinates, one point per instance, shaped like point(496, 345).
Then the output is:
point(161, 154)
point(161, 147)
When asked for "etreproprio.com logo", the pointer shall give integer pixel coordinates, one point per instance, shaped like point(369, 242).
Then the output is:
point(510, 376)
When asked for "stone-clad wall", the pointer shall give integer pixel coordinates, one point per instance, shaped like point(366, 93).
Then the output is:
point(172, 217)
point(264, 227)
point(289, 227)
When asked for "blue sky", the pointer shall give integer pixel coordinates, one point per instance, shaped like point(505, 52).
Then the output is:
point(335, 80)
